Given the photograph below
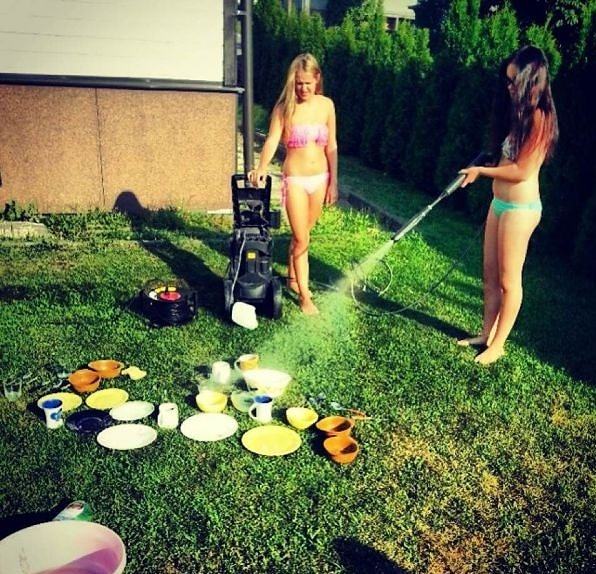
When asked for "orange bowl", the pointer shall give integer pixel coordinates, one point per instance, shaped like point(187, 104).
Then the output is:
point(107, 368)
point(335, 425)
point(84, 380)
point(342, 449)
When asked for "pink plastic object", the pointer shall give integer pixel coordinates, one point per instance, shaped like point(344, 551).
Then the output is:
point(170, 296)
point(63, 547)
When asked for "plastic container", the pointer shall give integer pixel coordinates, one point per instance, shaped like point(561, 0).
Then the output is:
point(76, 510)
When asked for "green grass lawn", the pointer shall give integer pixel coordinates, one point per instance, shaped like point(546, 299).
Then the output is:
point(462, 468)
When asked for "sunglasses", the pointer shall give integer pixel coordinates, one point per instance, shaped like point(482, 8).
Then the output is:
point(509, 81)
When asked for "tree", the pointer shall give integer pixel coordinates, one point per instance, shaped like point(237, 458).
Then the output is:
point(412, 62)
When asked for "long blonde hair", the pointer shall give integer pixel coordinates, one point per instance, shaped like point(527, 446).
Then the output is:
point(286, 103)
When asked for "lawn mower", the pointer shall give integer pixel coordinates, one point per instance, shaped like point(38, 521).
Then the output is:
point(249, 278)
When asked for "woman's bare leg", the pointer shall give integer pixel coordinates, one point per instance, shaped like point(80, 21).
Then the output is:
point(313, 215)
point(302, 214)
point(514, 232)
point(292, 283)
point(492, 287)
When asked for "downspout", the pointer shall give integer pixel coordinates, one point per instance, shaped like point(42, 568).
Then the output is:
point(248, 129)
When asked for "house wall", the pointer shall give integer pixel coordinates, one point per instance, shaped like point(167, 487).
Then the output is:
point(71, 149)
point(178, 39)
point(103, 100)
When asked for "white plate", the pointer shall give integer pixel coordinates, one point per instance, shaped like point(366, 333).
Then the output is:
point(209, 426)
point(132, 411)
point(127, 437)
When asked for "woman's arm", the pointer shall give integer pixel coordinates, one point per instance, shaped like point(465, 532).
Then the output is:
point(257, 176)
point(331, 153)
point(525, 167)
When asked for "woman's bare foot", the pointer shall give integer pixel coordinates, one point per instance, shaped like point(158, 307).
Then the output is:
point(472, 341)
point(489, 356)
point(308, 307)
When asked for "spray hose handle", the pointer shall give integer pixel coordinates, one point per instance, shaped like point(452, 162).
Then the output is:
point(480, 159)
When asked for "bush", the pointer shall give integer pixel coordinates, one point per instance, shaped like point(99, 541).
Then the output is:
point(375, 109)
point(430, 125)
point(15, 212)
point(467, 125)
point(469, 116)
point(585, 245)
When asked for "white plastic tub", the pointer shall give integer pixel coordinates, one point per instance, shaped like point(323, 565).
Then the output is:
point(63, 547)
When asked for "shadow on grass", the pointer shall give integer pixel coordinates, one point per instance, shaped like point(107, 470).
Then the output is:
point(358, 558)
point(182, 263)
point(374, 305)
point(187, 266)
point(11, 524)
point(558, 315)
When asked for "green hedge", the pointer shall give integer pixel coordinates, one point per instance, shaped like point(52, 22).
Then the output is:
point(421, 115)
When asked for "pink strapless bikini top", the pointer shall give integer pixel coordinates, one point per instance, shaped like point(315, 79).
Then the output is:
point(302, 134)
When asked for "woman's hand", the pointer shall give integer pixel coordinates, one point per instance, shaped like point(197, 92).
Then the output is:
point(471, 173)
point(332, 194)
point(257, 177)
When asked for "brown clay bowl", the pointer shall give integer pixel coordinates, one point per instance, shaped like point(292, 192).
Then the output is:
point(107, 368)
point(335, 425)
point(342, 449)
point(84, 380)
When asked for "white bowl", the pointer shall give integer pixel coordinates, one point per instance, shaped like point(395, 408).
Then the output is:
point(267, 381)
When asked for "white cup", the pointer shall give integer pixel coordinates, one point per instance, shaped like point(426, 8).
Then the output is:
point(261, 409)
point(168, 416)
point(53, 411)
point(221, 372)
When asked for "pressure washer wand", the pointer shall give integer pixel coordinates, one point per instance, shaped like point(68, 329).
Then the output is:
point(362, 269)
point(453, 186)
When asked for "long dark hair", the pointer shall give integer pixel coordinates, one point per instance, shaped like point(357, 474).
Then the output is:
point(513, 113)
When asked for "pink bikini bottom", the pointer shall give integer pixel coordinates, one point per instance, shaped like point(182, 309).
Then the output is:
point(309, 183)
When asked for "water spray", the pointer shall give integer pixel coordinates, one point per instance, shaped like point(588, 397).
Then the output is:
point(362, 270)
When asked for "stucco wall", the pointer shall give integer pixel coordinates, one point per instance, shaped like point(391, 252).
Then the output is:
point(72, 149)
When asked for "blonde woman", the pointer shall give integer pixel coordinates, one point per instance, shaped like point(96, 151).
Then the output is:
point(304, 120)
point(525, 133)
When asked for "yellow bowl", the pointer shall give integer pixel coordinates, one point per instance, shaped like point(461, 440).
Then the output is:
point(301, 417)
point(211, 401)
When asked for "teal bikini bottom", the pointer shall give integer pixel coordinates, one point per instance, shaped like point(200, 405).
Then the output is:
point(499, 206)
